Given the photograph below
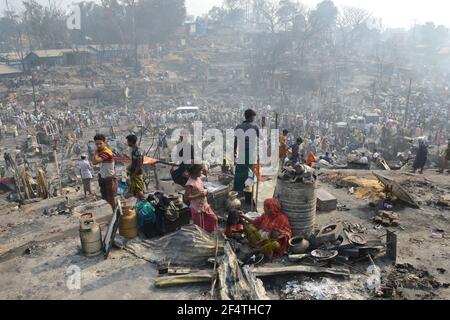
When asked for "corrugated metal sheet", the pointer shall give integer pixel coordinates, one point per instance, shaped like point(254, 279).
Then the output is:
point(10, 56)
point(55, 52)
point(110, 47)
point(5, 70)
point(51, 53)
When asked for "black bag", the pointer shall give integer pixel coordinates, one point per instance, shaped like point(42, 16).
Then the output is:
point(178, 175)
point(163, 225)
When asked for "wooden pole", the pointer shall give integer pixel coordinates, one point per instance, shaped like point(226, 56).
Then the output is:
point(276, 120)
point(213, 284)
point(258, 165)
point(252, 206)
point(57, 169)
point(34, 91)
point(257, 193)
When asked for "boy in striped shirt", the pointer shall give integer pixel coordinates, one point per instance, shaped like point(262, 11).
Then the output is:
point(107, 177)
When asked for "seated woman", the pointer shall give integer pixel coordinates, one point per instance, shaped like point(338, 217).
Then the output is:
point(196, 194)
point(271, 232)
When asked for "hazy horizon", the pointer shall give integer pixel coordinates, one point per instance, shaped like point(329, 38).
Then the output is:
point(394, 13)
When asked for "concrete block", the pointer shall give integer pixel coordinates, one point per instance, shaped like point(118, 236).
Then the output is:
point(325, 201)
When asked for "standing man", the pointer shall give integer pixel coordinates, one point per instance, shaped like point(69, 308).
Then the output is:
point(421, 157)
point(248, 148)
point(107, 177)
point(86, 174)
point(297, 152)
point(136, 177)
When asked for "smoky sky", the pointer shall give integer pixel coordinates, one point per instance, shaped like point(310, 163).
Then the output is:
point(394, 13)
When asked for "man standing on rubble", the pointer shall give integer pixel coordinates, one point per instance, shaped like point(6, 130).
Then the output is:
point(107, 177)
point(86, 174)
point(136, 177)
point(421, 157)
point(248, 151)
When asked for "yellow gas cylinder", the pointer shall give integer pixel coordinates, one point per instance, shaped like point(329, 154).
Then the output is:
point(90, 235)
point(128, 227)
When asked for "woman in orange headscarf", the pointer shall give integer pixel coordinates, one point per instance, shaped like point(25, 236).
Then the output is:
point(271, 232)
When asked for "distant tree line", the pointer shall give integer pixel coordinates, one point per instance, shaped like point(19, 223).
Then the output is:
point(39, 26)
point(286, 33)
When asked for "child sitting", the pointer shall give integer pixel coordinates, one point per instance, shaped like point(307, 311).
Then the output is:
point(235, 227)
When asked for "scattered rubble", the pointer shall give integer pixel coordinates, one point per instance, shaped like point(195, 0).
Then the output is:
point(405, 276)
point(363, 187)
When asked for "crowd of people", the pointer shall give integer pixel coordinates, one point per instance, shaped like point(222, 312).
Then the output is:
point(308, 135)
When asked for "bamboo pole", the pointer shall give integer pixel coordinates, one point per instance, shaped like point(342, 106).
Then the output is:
point(257, 192)
point(213, 284)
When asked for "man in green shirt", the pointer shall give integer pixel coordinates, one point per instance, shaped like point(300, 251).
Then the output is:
point(135, 171)
point(246, 159)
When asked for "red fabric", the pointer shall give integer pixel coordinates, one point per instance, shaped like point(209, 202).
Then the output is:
point(205, 219)
point(7, 181)
point(311, 159)
point(278, 222)
point(147, 160)
point(233, 228)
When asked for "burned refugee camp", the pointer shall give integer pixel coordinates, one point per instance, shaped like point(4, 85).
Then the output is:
point(216, 150)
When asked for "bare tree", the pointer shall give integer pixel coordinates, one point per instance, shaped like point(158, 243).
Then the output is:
point(350, 22)
point(44, 26)
point(17, 39)
point(287, 13)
